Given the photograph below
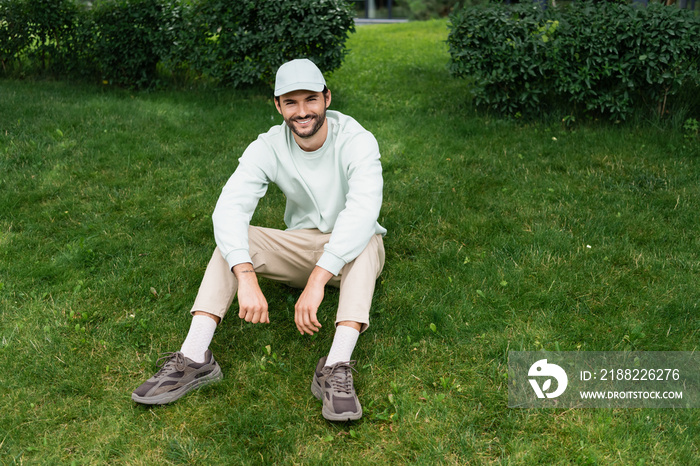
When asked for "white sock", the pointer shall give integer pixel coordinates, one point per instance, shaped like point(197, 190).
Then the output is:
point(198, 339)
point(344, 343)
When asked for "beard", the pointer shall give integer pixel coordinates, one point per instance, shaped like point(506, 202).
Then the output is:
point(317, 121)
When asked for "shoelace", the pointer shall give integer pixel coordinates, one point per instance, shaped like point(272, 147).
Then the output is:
point(169, 359)
point(341, 376)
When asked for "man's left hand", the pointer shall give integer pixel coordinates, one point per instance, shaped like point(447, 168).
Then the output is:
point(307, 306)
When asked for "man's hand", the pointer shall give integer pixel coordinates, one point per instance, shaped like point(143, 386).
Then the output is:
point(251, 301)
point(309, 301)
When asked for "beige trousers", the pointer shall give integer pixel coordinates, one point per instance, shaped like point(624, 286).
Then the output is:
point(289, 257)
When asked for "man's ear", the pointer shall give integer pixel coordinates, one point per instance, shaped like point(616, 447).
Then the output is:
point(328, 100)
point(277, 105)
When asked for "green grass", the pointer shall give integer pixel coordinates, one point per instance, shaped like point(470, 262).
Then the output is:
point(503, 235)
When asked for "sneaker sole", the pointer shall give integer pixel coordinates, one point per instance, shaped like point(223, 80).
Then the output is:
point(169, 397)
point(341, 417)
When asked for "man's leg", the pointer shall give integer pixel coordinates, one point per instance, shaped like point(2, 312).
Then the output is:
point(194, 365)
point(216, 293)
point(200, 336)
point(357, 281)
point(344, 341)
point(333, 381)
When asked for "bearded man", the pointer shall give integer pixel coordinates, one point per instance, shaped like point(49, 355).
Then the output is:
point(327, 165)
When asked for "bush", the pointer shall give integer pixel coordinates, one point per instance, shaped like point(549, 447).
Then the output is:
point(38, 31)
point(497, 45)
point(14, 31)
point(602, 58)
point(127, 42)
point(244, 42)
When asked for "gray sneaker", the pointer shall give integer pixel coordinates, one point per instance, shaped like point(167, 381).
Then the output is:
point(177, 376)
point(334, 386)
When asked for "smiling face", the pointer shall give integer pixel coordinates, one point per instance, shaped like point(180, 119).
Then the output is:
point(305, 114)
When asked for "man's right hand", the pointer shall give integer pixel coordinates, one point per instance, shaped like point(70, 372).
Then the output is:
point(251, 301)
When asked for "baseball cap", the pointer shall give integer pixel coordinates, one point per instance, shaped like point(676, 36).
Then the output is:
point(299, 74)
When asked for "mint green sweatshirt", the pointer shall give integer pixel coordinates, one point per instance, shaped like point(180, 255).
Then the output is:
point(337, 189)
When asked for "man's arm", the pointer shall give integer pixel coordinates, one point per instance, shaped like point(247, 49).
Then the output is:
point(238, 201)
point(357, 222)
point(251, 301)
point(307, 306)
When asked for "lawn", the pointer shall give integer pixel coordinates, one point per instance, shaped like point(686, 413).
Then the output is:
point(503, 235)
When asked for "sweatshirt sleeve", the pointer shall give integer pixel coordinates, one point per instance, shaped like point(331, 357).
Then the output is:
point(357, 222)
point(238, 201)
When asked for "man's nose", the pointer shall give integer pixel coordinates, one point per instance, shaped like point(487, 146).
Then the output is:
point(303, 109)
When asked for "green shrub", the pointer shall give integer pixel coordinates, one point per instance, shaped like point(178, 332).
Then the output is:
point(51, 26)
point(128, 41)
point(601, 58)
point(39, 32)
point(243, 42)
point(498, 45)
point(14, 31)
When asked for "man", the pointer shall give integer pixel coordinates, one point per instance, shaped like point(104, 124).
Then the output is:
point(328, 167)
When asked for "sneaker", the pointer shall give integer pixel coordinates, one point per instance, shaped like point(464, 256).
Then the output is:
point(177, 376)
point(333, 385)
